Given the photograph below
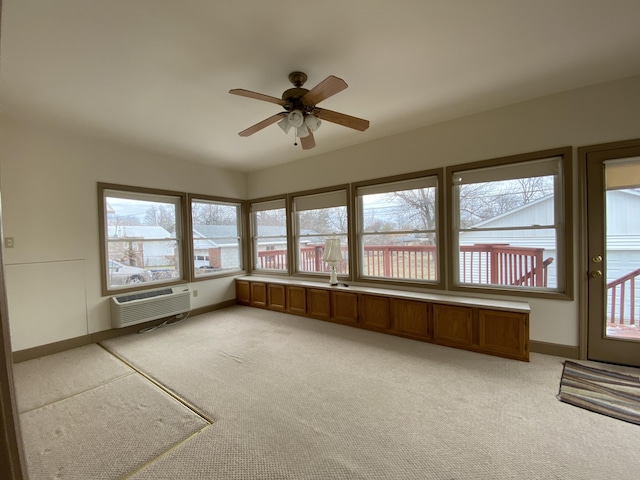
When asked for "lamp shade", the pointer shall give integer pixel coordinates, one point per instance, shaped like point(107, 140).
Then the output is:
point(284, 125)
point(303, 131)
point(296, 118)
point(332, 252)
point(312, 122)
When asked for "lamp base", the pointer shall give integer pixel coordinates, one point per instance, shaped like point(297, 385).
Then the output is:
point(333, 278)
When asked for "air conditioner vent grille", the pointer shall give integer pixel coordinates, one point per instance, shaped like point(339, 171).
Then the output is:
point(151, 305)
point(141, 295)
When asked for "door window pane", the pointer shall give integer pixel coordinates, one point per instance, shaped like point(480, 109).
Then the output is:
point(622, 255)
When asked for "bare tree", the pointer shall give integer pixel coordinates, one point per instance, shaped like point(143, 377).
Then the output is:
point(481, 201)
point(213, 214)
point(272, 218)
point(419, 210)
point(324, 220)
point(161, 215)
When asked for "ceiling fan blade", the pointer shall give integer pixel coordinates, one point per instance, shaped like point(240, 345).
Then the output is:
point(260, 125)
point(257, 96)
point(308, 142)
point(342, 119)
point(325, 89)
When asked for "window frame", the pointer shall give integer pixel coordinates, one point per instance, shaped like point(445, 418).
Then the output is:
point(439, 211)
point(563, 221)
point(294, 229)
point(253, 237)
point(240, 219)
point(181, 236)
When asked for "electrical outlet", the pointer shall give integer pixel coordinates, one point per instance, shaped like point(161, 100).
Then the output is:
point(8, 242)
point(195, 293)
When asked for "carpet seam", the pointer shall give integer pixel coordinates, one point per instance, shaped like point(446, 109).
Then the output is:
point(162, 387)
point(107, 382)
point(172, 448)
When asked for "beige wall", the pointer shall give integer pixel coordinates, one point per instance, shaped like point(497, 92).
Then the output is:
point(48, 181)
point(603, 113)
point(49, 193)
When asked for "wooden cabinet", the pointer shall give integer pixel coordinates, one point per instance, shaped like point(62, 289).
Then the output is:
point(259, 294)
point(411, 318)
point(296, 300)
point(452, 325)
point(344, 307)
point(319, 303)
point(276, 297)
point(501, 331)
point(243, 293)
point(374, 312)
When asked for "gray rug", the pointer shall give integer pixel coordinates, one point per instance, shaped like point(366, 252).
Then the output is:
point(602, 391)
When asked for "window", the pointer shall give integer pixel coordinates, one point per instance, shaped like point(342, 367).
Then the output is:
point(397, 229)
point(510, 223)
point(269, 230)
point(142, 242)
point(317, 217)
point(216, 232)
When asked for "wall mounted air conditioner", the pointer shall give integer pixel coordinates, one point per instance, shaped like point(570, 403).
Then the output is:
point(133, 308)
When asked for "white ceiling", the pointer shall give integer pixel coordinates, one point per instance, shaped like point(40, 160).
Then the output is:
point(156, 73)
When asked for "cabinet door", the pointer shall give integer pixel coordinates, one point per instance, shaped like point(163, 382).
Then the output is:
point(318, 303)
point(452, 325)
point(243, 294)
point(344, 307)
point(258, 294)
point(276, 297)
point(410, 317)
point(374, 312)
point(504, 333)
point(297, 300)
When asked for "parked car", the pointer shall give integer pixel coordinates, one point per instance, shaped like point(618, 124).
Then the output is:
point(121, 274)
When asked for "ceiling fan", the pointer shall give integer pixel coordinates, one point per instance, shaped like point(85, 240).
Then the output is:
point(300, 108)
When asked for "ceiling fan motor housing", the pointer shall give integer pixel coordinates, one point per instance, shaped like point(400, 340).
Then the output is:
point(292, 97)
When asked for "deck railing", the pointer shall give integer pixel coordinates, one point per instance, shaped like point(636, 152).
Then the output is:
point(503, 264)
point(621, 294)
point(496, 264)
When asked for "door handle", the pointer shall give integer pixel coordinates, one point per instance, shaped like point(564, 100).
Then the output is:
point(597, 259)
point(596, 273)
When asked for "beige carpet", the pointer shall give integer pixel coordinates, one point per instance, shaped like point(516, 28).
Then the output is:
point(54, 377)
point(295, 398)
point(101, 429)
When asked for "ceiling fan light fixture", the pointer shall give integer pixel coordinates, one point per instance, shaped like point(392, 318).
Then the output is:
point(284, 125)
point(296, 118)
point(303, 131)
point(312, 122)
